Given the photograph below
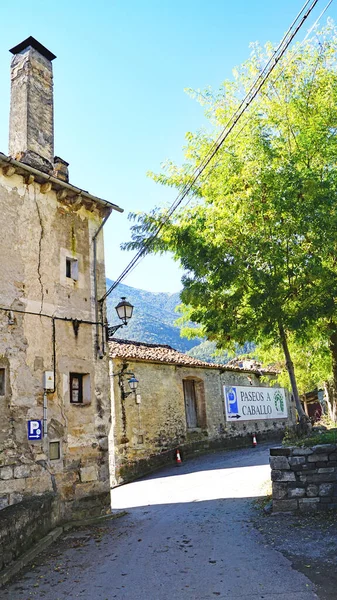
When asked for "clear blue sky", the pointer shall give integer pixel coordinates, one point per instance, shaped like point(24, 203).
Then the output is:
point(119, 79)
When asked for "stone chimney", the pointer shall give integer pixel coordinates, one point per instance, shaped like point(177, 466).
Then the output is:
point(31, 128)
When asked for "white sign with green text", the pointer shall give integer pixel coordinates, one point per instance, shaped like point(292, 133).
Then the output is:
point(250, 403)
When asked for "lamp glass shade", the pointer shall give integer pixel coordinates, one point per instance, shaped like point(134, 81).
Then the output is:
point(133, 383)
point(124, 310)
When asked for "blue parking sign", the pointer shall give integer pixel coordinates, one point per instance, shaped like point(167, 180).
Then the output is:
point(231, 400)
point(34, 430)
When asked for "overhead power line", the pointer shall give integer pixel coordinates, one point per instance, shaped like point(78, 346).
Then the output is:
point(291, 58)
point(260, 80)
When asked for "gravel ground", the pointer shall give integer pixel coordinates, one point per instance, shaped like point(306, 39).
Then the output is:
point(308, 541)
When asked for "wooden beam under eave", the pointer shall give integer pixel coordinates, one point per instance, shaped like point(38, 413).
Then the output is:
point(8, 171)
point(45, 187)
point(62, 194)
point(29, 179)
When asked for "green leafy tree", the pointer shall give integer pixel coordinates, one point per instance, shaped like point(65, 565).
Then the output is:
point(311, 357)
point(258, 239)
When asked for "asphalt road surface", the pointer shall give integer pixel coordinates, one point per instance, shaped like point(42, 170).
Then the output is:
point(187, 535)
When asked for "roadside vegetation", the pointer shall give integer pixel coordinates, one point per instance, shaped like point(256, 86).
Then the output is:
point(257, 240)
point(324, 433)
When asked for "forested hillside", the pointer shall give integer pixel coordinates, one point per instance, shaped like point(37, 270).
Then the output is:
point(153, 318)
point(153, 322)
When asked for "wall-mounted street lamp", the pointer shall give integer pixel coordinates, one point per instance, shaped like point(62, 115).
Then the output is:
point(124, 311)
point(132, 381)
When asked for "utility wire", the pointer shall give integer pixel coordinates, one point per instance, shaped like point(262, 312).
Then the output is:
point(245, 103)
point(302, 42)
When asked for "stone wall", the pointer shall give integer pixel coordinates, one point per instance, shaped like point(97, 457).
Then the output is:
point(40, 231)
point(145, 434)
point(24, 524)
point(304, 479)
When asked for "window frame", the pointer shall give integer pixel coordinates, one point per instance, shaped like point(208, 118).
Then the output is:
point(72, 268)
point(53, 443)
point(84, 388)
point(190, 397)
point(74, 376)
point(197, 388)
point(2, 381)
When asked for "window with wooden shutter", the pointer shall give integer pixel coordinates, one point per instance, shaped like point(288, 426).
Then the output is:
point(190, 403)
point(2, 382)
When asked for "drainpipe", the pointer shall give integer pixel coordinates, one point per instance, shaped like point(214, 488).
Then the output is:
point(45, 416)
point(99, 349)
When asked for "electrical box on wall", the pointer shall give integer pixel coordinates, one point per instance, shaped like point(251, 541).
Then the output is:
point(138, 399)
point(48, 380)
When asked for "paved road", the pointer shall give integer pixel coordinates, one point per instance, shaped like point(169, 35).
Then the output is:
point(187, 536)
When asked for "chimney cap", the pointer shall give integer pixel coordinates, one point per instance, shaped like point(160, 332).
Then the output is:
point(31, 41)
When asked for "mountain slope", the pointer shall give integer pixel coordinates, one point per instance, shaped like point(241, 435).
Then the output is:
point(153, 317)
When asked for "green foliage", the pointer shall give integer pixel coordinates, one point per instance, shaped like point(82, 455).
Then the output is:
point(315, 439)
point(311, 356)
point(258, 239)
point(207, 351)
point(154, 321)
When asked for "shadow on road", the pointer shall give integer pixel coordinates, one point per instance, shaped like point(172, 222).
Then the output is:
point(186, 551)
point(240, 457)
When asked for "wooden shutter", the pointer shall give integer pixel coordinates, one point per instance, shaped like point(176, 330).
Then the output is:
point(190, 404)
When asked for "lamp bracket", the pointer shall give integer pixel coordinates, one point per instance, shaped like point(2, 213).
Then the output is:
point(111, 330)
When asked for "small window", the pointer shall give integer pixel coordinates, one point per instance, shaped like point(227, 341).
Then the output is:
point(79, 388)
point(76, 388)
point(2, 382)
point(72, 268)
point(54, 450)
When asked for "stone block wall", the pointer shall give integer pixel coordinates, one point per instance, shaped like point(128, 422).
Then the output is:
point(23, 524)
point(304, 479)
point(145, 434)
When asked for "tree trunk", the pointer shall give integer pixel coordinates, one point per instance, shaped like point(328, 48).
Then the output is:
point(330, 404)
point(333, 350)
point(290, 368)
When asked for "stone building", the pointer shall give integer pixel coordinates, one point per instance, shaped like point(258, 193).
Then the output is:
point(53, 364)
point(179, 402)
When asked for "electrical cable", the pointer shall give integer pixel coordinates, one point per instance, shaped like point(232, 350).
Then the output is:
point(302, 42)
point(243, 106)
point(46, 316)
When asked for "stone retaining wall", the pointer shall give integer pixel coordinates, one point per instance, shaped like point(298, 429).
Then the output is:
point(24, 524)
point(132, 470)
point(304, 479)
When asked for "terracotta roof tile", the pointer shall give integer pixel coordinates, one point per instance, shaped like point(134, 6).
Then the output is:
point(165, 354)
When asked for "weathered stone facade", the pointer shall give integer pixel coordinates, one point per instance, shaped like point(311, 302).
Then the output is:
point(304, 479)
point(148, 425)
point(51, 273)
point(31, 125)
point(25, 523)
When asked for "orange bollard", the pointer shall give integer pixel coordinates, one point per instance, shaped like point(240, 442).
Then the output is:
point(178, 458)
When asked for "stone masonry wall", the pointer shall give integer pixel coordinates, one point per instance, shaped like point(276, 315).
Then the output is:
point(145, 434)
point(41, 230)
point(24, 524)
point(304, 479)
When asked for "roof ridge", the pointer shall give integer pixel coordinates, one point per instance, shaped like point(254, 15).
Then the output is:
point(146, 344)
point(164, 353)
